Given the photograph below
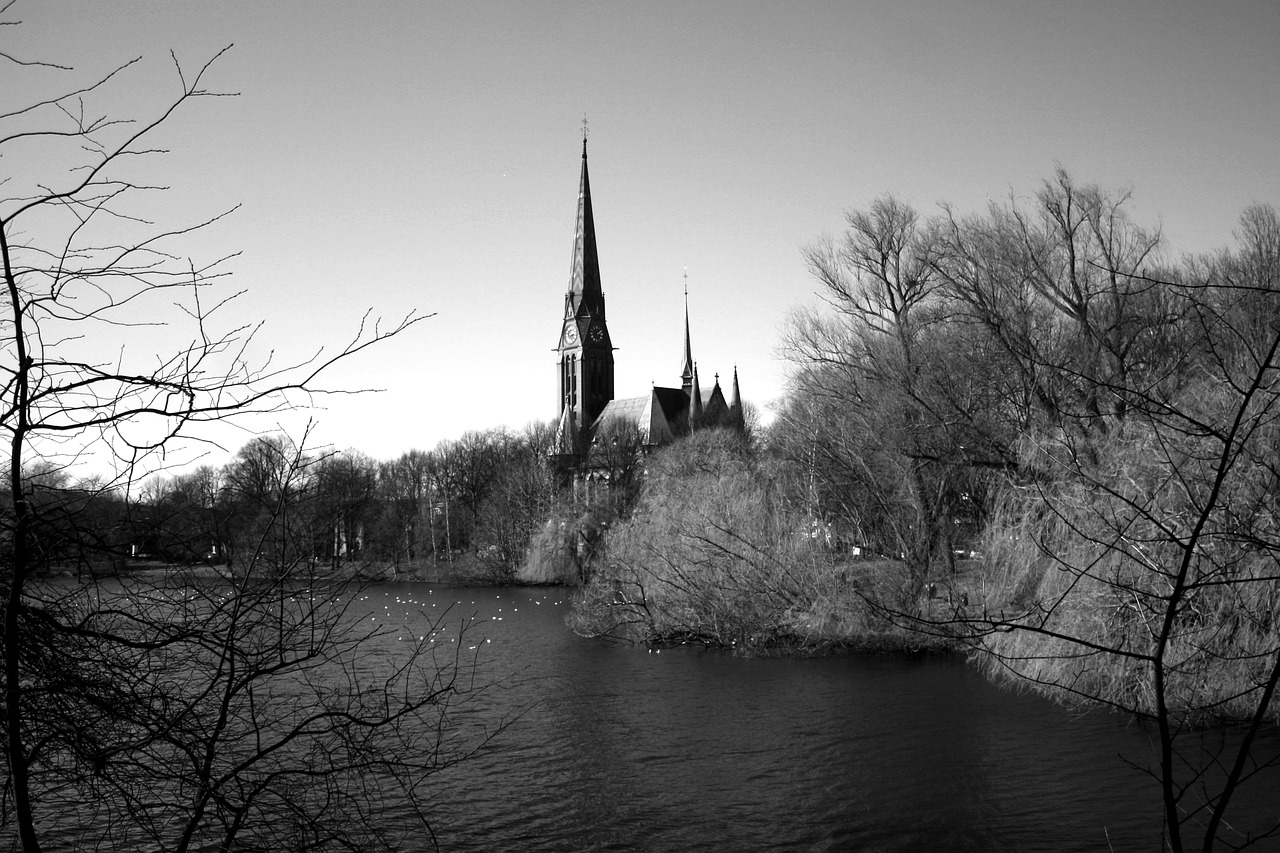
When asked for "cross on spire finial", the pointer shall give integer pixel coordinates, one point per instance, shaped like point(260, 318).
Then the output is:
point(584, 133)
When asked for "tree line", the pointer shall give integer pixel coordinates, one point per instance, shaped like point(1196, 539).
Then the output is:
point(483, 494)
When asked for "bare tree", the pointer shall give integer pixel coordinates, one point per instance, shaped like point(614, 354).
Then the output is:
point(444, 461)
point(266, 474)
point(871, 410)
point(345, 505)
point(1109, 419)
point(185, 710)
point(521, 498)
point(405, 487)
point(253, 712)
point(1132, 550)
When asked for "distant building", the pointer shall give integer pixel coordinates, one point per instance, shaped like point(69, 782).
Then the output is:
point(588, 410)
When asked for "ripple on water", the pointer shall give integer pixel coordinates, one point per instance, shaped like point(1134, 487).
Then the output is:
point(610, 748)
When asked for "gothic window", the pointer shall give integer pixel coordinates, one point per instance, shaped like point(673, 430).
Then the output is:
point(573, 381)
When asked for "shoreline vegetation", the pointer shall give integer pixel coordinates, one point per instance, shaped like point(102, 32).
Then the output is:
point(714, 552)
point(745, 587)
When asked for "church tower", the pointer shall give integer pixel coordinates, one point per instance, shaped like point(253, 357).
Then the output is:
point(585, 351)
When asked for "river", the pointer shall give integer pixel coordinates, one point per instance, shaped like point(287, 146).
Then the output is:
point(615, 747)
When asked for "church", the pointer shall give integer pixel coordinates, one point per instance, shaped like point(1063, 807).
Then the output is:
point(588, 410)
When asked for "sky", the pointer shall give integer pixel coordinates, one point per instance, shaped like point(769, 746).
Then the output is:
point(424, 156)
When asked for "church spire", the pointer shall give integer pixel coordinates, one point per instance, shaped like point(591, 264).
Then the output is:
point(686, 369)
point(585, 295)
point(585, 350)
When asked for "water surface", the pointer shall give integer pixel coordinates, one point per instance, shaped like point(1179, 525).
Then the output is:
point(620, 748)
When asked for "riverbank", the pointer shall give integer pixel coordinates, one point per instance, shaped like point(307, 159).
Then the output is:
point(767, 608)
point(831, 620)
point(463, 569)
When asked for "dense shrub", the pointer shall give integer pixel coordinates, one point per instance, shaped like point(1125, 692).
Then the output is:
point(713, 554)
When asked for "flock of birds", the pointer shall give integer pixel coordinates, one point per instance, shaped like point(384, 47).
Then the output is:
point(406, 608)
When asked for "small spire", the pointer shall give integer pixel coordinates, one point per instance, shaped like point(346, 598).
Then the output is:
point(686, 369)
point(695, 402)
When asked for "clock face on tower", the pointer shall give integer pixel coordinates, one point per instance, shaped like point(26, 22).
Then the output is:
point(596, 334)
point(571, 335)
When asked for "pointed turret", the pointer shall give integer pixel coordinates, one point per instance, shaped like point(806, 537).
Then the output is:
point(585, 295)
point(736, 418)
point(695, 402)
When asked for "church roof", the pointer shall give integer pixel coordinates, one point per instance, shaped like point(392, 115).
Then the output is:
point(715, 410)
point(648, 414)
point(626, 410)
point(674, 402)
point(584, 274)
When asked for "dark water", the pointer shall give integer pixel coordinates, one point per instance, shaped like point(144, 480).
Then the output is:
point(619, 748)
